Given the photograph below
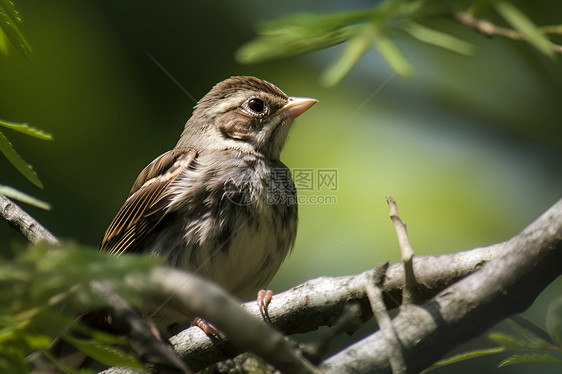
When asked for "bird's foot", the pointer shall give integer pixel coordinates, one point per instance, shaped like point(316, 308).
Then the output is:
point(263, 299)
point(207, 327)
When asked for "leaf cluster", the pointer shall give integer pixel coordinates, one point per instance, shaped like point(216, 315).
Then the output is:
point(43, 290)
point(23, 167)
point(528, 344)
point(379, 27)
point(9, 31)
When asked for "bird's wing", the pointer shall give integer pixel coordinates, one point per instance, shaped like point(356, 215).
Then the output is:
point(147, 202)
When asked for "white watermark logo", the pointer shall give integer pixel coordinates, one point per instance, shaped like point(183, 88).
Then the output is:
point(313, 186)
point(285, 199)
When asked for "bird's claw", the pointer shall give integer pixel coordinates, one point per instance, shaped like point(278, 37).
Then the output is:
point(263, 300)
point(207, 327)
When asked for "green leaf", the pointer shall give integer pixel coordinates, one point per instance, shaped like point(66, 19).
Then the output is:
point(525, 26)
point(24, 128)
point(552, 29)
point(535, 357)
point(353, 52)
point(394, 56)
point(43, 288)
point(9, 18)
point(529, 330)
point(47, 353)
point(8, 150)
point(268, 47)
point(554, 320)
point(439, 39)
point(301, 33)
point(3, 42)
point(532, 339)
point(312, 24)
point(23, 197)
point(10, 10)
point(509, 342)
point(464, 356)
point(37, 340)
point(105, 354)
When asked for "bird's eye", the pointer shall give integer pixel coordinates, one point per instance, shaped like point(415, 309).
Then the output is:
point(256, 105)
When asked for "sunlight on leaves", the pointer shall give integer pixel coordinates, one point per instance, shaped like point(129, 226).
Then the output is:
point(9, 19)
point(299, 34)
point(23, 197)
point(23, 167)
point(293, 35)
point(24, 128)
point(15, 159)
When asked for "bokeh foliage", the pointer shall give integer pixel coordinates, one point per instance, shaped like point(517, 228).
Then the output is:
point(23, 167)
point(468, 146)
point(526, 343)
point(9, 31)
point(377, 27)
point(45, 288)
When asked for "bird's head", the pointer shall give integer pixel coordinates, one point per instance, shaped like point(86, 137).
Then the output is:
point(245, 114)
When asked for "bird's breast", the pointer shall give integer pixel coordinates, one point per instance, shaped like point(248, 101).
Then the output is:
point(238, 224)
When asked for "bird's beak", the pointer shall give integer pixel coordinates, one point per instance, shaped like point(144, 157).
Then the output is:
point(296, 106)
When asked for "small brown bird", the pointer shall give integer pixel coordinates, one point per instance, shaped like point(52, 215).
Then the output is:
point(219, 204)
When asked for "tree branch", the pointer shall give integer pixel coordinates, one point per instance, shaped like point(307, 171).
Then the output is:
point(18, 219)
point(507, 285)
point(320, 302)
point(489, 29)
point(406, 250)
point(493, 292)
point(183, 292)
point(152, 351)
point(373, 283)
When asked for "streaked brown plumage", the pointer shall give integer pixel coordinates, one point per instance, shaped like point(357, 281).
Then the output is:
point(220, 203)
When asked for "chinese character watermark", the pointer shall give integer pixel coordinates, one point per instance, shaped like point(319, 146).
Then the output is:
point(283, 186)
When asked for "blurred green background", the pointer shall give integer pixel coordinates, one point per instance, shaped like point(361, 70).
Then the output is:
point(471, 148)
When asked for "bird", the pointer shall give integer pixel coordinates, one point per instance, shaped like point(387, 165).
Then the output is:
point(220, 204)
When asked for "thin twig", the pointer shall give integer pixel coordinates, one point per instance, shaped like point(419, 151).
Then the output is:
point(24, 223)
point(506, 285)
point(314, 303)
point(152, 351)
point(489, 29)
point(373, 286)
point(348, 321)
point(410, 284)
